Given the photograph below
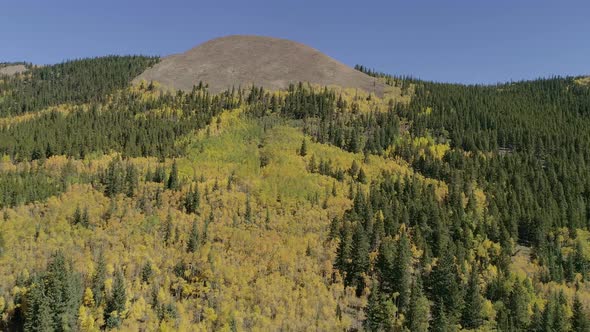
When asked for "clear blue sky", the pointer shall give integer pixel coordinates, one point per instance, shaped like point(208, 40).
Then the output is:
point(471, 41)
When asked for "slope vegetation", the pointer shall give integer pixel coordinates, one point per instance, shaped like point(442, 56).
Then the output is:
point(460, 208)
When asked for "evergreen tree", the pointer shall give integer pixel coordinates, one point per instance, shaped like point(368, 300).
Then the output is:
point(402, 277)
point(248, 213)
point(419, 309)
point(159, 174)
point(518, 306)
point(440, 322)
point(147, 272)
point(560, 322)
point(54, 298)
point(362, 177)
point(131, 180)
point(192, 200)
point(344, 251)
point(77, 217)
point(116, 305)
point(193, 240)
point(167, 230)
point(85, 219)
point(579, 318)
point(303, 148)
point(385, 265)
point(444, 286)
point(64, 289)
point(378, 230)
point(548, 320)
point(537, 318)
point(334, 229)
point(114, 178)
point(173, 183)
point(503, 319)
point(98, 280)
point(579, 261)
point(38, 316)
point(353, 142)
point(472, 310)
point(360, 258)
point(380, 312)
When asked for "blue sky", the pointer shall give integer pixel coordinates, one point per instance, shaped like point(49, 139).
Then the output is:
point(475, 41)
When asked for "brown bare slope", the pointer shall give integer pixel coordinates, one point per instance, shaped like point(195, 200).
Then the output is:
point(253, 60)
point(12, 69)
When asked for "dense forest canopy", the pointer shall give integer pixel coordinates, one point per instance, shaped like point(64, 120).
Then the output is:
point(132, 208)
point(76, 81)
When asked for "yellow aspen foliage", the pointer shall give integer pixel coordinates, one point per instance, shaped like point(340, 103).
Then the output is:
point(108, 284)
point(162, 296)
point(488, 310)
point(209, 315)
point(137, 310)
point(167, 326)
point(88, 298)
point(253, 235)
point(86, 320)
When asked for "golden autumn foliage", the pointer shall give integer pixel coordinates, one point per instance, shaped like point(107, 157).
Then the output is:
point(263, 260)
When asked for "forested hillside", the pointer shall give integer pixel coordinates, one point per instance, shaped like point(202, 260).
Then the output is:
point(444, 208)
point(75, 81)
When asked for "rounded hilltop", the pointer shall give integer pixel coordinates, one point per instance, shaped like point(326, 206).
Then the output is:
point(245, 60)
point(12, 69)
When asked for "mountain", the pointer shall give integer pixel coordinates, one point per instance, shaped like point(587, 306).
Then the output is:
point(253, 60)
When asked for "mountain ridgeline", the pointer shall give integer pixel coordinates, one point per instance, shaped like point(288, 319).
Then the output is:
point(213, 204)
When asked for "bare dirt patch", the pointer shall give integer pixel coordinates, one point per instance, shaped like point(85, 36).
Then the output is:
point(12, 69)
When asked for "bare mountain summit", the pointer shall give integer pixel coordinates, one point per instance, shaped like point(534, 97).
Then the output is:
point(12, 69)
point(252, 60)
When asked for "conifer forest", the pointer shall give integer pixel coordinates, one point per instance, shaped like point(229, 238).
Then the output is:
point(430, 207)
